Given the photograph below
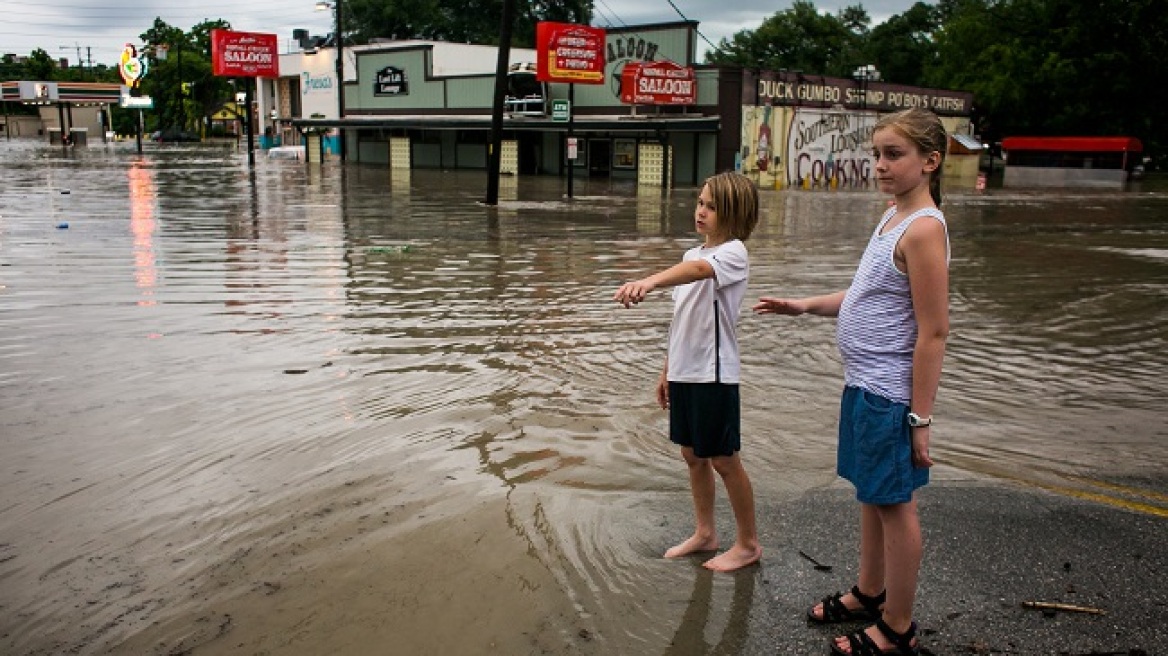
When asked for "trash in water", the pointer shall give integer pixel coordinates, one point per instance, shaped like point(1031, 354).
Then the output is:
point(403, 248)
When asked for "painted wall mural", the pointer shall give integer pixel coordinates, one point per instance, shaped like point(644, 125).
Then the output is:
point(828, 148)
point(807, 147)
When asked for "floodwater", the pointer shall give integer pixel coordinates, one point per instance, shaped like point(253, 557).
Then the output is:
point(307, 410)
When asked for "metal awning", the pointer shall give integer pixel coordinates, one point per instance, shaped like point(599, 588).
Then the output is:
point(624, 123)
point(967, 141)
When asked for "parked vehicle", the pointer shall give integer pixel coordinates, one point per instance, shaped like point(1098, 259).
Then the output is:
point(173, 135)
point(526, 95)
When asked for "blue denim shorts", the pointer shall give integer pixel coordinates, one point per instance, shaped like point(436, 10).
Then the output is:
point(875, 448)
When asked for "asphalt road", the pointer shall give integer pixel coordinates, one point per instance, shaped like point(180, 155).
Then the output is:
point(988, 549)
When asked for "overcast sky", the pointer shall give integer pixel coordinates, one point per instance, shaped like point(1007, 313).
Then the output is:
point(99, 30)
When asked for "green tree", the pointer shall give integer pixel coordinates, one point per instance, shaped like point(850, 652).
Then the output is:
point(200, 35)
point(1057, 67)
point(453, 21)
point(181, 82)
point(902, 47)
point(40, 66)
point(799, 38)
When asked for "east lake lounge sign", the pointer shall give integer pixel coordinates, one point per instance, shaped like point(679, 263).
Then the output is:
point(786, 88)
point(391, 81)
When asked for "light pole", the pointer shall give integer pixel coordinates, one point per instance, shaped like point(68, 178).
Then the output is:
point(339, 34)
point(865, 74)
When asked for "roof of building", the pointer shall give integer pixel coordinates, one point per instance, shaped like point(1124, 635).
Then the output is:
point(967, 142)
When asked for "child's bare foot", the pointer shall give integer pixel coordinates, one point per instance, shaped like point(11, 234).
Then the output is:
point(694, 544)
point(736, 557)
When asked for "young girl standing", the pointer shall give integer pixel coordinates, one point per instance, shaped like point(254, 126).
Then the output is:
point(892, 326)
point(699, 383)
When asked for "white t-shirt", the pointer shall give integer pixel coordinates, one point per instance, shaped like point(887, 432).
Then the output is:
point(702, 349)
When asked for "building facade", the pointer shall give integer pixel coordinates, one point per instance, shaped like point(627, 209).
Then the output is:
point(73, 112)
point(419, 104)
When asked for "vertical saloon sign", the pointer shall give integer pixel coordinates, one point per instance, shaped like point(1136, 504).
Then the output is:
point(569, 53)
point(244, 54)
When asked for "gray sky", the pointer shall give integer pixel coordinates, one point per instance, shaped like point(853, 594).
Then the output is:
point(99, 30)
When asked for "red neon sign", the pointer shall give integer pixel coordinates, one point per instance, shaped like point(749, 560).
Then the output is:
point(569, 53)
point(244, 54)
point(658, 83)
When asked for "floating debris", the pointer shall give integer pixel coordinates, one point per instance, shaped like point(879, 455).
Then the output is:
point(403, 248)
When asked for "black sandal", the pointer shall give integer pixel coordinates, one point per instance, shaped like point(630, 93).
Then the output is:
point(903, 644)
point(834, 610)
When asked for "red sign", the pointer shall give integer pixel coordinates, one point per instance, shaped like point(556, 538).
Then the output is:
point(244, 54)
point(569, 53)
point(658, 83)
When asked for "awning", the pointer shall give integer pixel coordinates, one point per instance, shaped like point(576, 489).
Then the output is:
point(1074, 144)
point(622, 123)
point(967, 142)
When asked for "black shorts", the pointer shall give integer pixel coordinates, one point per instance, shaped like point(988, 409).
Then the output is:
point(705, 417)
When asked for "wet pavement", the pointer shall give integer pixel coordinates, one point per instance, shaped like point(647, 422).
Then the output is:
point(302, 410)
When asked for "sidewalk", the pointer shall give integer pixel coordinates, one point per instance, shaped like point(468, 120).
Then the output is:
point(988, 549)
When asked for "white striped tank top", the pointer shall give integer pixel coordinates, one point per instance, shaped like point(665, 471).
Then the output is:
point(877, 329)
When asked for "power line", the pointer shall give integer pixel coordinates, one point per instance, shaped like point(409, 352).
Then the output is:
point(683, 17)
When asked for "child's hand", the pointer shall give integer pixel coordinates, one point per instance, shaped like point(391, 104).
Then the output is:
point(632, 293)
point(920, 447)
point(770, 305)
point(663, 392)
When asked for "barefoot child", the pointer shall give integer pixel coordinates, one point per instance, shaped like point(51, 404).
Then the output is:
point(892, 326)
point(699, 383)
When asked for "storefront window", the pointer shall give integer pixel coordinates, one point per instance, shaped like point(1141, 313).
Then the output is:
point(624, 153)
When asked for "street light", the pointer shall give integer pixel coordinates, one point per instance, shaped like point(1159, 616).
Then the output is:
point(865, 74)
point(339, 33)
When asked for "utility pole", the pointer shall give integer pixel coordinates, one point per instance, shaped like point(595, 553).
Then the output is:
point(494, 154)
point(85, 64)
point(75, 45)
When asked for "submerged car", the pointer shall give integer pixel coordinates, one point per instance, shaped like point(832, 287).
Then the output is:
point(173, 135)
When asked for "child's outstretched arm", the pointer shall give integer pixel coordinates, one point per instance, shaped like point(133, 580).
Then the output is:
point(827, 305)
point(684, 273)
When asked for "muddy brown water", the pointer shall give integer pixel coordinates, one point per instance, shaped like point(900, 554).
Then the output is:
point(319, 410)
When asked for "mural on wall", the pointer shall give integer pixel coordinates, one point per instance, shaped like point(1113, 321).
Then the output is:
point(830, 148)
point(761, 156)
point(807, 147)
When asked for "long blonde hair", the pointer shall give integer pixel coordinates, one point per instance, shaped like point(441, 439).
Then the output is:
point(925, 131)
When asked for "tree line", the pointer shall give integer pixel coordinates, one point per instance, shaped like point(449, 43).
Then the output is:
point(1035, 67)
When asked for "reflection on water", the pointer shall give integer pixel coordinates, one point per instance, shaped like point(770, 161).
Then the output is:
point(214, 375)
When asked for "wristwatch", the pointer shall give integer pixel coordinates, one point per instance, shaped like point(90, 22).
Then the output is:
point(916, 421)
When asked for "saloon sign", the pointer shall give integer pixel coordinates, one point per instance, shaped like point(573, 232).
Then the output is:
point(658, 83)
point(244, 54)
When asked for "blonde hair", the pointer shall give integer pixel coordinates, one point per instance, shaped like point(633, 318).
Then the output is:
point(735, 200)
point(925, 131)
